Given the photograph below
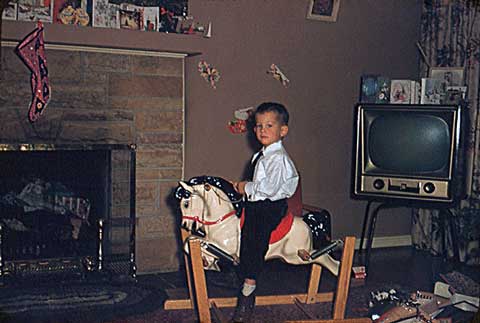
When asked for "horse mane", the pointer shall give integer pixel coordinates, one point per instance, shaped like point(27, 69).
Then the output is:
point(218, 182)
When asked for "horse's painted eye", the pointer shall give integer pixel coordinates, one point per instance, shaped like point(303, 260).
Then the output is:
point(186, 204)
point(207, 187)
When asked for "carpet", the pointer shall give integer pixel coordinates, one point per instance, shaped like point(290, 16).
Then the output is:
point(77, 303)
point(462, 284)
point(357, 307)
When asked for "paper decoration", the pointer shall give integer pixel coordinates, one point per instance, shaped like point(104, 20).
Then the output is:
point(375, 89)
point(10, 11)
point(239, 124)
point(209, 73)
point(188, 25)
point(167, 21)
point(278, 75)
point(35, 11)
point(32, 51)
point(72, 16)
point(131, 17)
point(105, 14)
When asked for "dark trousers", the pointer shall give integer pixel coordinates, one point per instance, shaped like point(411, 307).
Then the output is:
point(261, 218)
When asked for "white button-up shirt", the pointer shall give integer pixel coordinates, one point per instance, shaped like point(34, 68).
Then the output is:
point(275, 176)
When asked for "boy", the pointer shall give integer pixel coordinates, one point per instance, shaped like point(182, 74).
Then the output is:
point(274, 179)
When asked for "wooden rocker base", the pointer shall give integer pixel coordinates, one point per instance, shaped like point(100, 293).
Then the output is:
point(353, 320)
point(198, 296)
point(179, 304)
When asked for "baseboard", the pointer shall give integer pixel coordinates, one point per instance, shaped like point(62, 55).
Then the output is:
point(386, 242)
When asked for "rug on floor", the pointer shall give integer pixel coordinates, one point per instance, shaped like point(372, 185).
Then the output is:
point(77, 303)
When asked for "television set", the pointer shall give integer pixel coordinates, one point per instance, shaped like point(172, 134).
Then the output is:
point(407, 152)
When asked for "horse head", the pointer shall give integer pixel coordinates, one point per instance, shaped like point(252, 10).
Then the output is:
point(208, 205)
point(206, 200)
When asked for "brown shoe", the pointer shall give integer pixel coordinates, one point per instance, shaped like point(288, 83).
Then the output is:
point(244, 310)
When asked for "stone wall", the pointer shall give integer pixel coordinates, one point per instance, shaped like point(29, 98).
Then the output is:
point(102, 96)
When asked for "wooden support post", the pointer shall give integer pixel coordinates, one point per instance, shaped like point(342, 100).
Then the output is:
point(313, 283)
point(188, 270)
point(200, 284)
point(343, 283)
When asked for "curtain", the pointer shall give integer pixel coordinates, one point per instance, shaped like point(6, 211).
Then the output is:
point(450, 37)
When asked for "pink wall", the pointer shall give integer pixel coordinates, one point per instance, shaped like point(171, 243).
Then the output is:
point(323, 61)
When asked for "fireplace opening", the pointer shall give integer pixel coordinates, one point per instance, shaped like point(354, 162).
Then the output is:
point(66, 208)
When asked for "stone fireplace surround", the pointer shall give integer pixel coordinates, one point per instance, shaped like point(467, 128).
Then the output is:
point(106, 96)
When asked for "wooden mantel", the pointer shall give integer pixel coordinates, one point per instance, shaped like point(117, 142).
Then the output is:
point(122, 39)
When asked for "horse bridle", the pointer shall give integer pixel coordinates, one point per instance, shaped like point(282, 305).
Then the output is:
point(197, 219)
point(201, 220)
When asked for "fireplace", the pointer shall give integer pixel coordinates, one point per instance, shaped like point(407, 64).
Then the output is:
point(112, 96)
point(67, 209)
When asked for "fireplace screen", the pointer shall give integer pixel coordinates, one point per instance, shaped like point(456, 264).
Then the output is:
point(67, 208)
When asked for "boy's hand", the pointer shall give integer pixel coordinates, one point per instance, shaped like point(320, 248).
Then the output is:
point(240, 187)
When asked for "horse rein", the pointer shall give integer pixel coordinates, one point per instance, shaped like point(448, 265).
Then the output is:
point(197, 219)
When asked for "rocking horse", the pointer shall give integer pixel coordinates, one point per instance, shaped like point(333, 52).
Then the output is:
point(211, 227)
point(210, 205)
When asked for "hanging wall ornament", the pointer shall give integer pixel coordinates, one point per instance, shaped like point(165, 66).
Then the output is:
point(278, 74)
point(209, 73)
point(32, 51)
point(239, 123)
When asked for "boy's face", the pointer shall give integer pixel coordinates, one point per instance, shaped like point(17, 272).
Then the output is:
point(268, 128)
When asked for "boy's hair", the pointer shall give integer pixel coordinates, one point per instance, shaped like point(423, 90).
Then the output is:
point(278, 108)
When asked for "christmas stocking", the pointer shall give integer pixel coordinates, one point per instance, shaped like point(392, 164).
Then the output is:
point(32, 51)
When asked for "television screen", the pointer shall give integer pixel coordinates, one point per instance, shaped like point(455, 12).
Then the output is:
point(422, 144)
point(406, 151)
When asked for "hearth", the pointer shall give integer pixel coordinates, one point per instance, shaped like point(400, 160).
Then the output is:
point(66, 209)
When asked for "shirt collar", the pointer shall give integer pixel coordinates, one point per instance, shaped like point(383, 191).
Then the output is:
point(272, 148)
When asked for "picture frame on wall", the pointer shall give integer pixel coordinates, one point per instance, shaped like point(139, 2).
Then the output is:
point(449, 76)
point(323, 10)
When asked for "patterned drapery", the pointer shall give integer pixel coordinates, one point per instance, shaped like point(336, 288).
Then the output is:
point(450, 37)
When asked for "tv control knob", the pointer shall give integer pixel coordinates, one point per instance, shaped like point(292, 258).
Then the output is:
point(378, 184)
point(429, 187)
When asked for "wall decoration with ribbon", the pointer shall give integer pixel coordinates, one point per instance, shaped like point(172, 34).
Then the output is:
point(209, 73)
point(278, 75)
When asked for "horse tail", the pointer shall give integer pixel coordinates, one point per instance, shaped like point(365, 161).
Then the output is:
point(320, 226)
